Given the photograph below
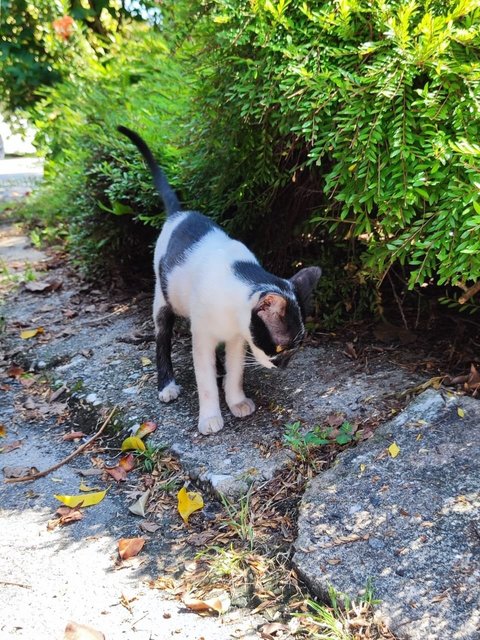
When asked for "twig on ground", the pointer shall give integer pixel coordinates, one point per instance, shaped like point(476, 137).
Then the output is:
point(15, 584)
point(78, 450)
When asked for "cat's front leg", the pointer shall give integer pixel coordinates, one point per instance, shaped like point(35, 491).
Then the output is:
point(210, 419)
point(164, 318)
point(238, 403)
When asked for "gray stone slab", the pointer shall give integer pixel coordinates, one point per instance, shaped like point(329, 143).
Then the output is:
point(411, 524)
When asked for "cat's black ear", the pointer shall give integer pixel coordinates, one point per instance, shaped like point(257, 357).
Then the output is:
point(304, 282)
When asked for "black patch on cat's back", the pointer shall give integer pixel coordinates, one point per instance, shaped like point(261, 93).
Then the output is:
point(193, 228)
point(256, 276)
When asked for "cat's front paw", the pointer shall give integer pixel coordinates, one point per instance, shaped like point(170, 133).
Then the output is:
point(170, 392)
point(210, 425)
point(242, 409)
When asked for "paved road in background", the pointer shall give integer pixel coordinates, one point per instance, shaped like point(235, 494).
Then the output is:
point(18, 175)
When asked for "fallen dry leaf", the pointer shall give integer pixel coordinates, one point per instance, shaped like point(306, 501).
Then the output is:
point(26, 334)
point(3, 431)
point(86, 489)
point(145, 361)
point(138, 507)
point(118, 473)
point(11, 446)
point(188, 502)
point(220, 603)
point(74, 631)
point(461, 412)
point(41, 286)
point(271, 628)
point(145, 429)
point(19, 472)
point(149, 527)
point(394, 450)
point(133, 442)
point(89, 472)
point(87, 500)
point(130, 547)
point(67, 516)
point(73, 435)
point(14, 371)
point(127, 462)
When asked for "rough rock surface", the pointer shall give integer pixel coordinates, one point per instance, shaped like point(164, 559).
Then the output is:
point(410, 523)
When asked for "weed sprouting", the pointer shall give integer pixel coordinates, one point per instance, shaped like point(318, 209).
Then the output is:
point(302, 442)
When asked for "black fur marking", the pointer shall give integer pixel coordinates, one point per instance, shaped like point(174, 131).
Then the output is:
point(184, 237)
point(258, 278)
point(262, 338)
point(164, 321)
point(168, 195)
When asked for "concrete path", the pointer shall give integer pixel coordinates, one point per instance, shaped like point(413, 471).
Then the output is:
point(18, 176)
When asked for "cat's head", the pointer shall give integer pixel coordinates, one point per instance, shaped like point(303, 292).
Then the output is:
point(277, 321)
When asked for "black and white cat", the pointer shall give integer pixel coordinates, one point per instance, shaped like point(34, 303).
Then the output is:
point(216, 282)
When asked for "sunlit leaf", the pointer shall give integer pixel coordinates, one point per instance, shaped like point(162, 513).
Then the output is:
point(130, 547)
point(87, 500)
point(461, 412)
point(219, 603)
point(127, 462)
point(138, 507)
point(26, 334)
point(145, 428)
point(145, 361)
point(188, 502)
point(394, 449)
point(133, 442)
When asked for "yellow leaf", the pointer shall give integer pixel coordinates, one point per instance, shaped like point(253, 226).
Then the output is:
point(3, 431)
point(133, 442)
point(30, 333)
point(87, 500)
point(145, 361)
point(84, 487)
point(461, 412)
point(363, 467)
point(188, 502)
point(394, 449)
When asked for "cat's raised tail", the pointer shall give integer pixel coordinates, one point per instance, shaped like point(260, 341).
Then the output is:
point(168, 195)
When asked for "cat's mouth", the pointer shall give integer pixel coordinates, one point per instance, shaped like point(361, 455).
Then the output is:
point(281, 360)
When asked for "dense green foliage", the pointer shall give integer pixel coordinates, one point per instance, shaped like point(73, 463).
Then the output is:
point(374, 104)
point(343, 133)
point(96, 187)
point(40, 39)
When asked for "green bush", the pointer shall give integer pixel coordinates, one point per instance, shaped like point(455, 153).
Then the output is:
point(342, 133)
point(95, 181)
point(354, 120)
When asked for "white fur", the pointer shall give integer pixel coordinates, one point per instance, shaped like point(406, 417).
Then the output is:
point(204, 289)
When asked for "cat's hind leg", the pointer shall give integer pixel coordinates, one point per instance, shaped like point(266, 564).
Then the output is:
point(164, 318)
point(238, 403)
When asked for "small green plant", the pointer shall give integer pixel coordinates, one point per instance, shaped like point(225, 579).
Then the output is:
point(148, 458)
point(239, 517)
point(303, 442)
point(333, 620)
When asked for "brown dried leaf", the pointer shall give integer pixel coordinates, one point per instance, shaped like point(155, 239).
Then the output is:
point(220, 603)
point(67, 516)
point(149, 527)
point(73, 435)
point(14, 371)
point(127, 462)
point(118, 473)
point(11, 446)
point(19, 472)
point(130, 547)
